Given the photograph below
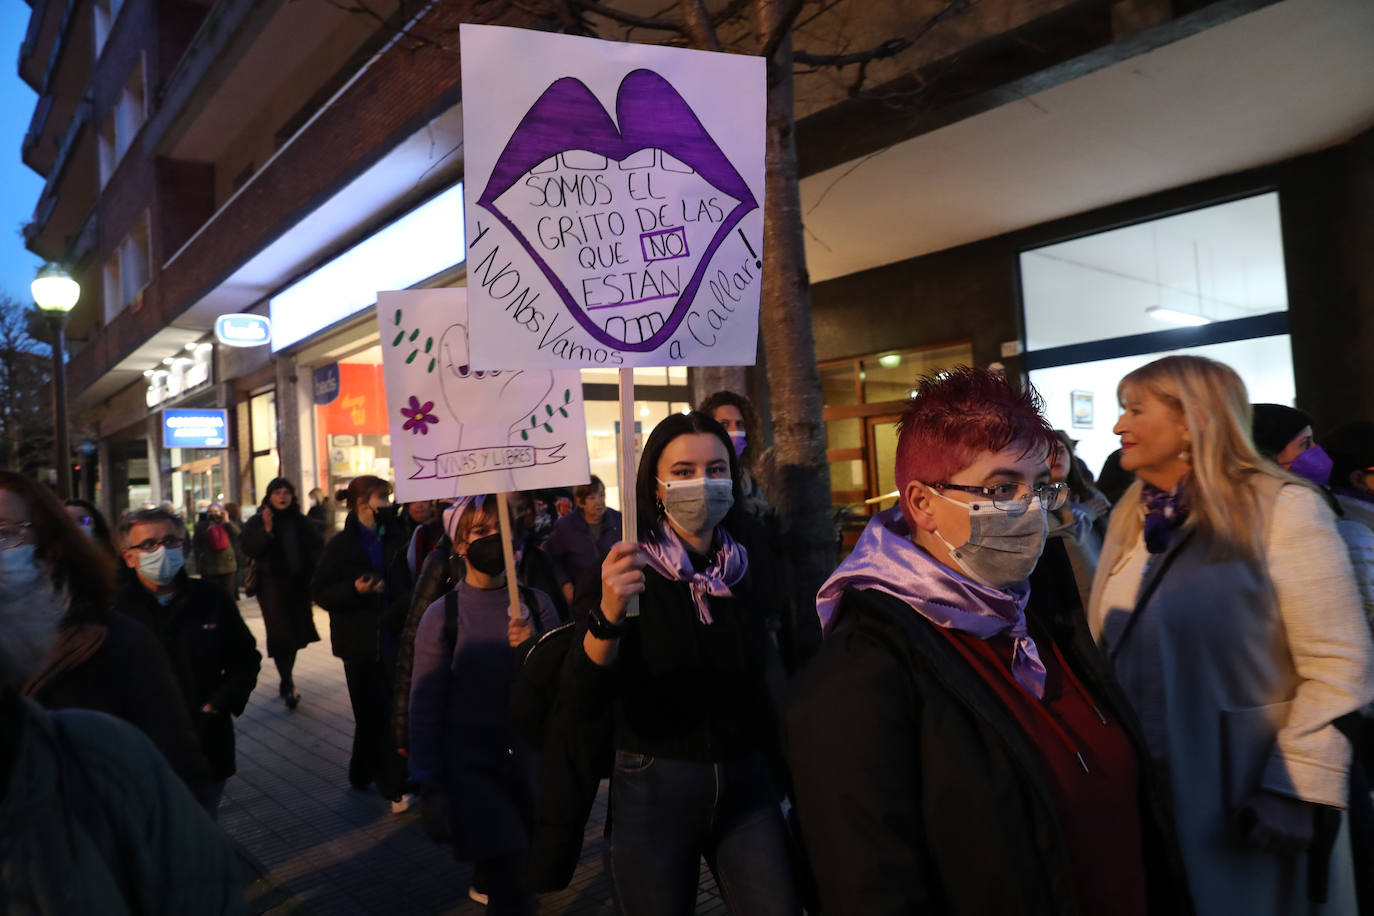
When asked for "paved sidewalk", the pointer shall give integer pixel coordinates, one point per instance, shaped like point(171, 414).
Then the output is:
point(312, 845)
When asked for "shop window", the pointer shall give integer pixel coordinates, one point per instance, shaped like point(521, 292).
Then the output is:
point(862, 400)
point(351, 430)
point(603, 436)
point(1209, 282)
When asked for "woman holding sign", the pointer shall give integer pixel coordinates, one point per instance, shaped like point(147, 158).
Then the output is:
point(695, 728)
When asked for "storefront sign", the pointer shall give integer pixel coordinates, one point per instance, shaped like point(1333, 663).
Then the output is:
point(616, 212)
point(243, 330)
point(181, 375)
point(195, 428)
point(456, 430)
point(326, 384)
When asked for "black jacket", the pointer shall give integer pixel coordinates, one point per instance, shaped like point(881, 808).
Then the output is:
point(213, 655)
point(284, 559)
point(889, 720)
point(355, 618)
point(111, 664)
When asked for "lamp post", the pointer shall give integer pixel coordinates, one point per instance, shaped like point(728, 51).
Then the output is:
point(56, 293)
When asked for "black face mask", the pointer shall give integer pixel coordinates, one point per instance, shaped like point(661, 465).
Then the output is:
point(487, 556)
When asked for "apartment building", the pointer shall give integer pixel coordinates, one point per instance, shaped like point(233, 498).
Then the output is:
point(1022, 186)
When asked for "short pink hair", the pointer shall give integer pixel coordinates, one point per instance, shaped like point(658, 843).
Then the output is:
point(958, 415)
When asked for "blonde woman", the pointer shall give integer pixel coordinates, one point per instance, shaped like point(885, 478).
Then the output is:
point(1225, 601)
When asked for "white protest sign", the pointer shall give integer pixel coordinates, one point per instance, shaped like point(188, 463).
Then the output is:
point(614, 201)
point(457, 430)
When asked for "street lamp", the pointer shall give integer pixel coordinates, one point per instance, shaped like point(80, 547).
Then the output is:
point(55, 293)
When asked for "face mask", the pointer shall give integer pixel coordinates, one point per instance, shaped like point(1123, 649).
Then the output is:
point(30, 615)
point(487, 556)
point(161, 566)
point(739, 441)
point(1002, 548)
point(1314, 465)
point(19, 572)
point(697, 505)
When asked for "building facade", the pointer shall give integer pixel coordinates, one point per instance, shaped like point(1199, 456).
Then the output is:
point(208, 159)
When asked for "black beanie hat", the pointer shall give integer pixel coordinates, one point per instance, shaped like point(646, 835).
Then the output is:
point(1275, 426)
point(1351, 448)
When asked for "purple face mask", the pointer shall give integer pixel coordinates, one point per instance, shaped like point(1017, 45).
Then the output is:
point(1314, 465)
point(738, 440)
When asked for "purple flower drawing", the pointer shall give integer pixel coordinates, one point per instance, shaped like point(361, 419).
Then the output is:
point(418, 416)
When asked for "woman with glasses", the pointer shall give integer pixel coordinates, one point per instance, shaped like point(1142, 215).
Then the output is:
point(956, 746)
point(61, 645)
point(1225, 603)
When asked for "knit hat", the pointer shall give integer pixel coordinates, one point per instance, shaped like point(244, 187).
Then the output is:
point(1351, 448)
point(1276, 425)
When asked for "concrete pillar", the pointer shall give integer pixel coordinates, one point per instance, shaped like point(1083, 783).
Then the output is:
point(105, 471)
point(156, 483)
point(288, 420)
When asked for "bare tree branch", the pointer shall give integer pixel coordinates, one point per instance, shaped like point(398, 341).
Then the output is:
point(890, 48)
point(697, 25)
point(630, 19)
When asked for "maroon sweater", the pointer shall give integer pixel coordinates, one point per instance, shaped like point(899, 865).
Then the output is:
point(1099, 810)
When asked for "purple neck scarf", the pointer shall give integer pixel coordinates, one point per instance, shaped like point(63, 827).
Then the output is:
point(1165, 510)
point(668, 557)
point(886, 560)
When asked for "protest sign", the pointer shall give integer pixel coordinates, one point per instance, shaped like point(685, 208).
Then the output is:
point(614, 201)
point(457, 430)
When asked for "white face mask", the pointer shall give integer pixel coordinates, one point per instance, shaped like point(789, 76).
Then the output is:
point(698, 505)
point(161, 566)
point(1002, 548)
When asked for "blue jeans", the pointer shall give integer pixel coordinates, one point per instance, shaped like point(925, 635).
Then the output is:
point(667, 814)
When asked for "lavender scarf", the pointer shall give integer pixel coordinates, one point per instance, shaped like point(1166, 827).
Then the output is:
point(886, 560)
point(668, 557)
point(1165, 511)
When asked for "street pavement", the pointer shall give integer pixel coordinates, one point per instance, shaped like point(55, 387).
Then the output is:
point(310, 844)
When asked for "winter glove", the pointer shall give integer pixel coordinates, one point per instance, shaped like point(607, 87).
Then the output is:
point(437, 816)
point(1276, 823)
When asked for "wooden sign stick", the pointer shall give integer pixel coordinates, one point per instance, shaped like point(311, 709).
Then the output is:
point(629, 517)
point(508, 549)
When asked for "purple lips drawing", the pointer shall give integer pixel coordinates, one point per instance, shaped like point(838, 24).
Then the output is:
point(568, 126)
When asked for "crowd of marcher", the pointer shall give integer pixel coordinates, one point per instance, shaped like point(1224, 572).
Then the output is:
point(1036, 690)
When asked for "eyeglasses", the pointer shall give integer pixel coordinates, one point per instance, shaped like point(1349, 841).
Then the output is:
point(152, 544)
point(1015, 497)
point(14, 534)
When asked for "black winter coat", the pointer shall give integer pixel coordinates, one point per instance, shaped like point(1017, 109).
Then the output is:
point(284, 559)
point(889, 716)
point(213, 655)
point(354, 618)
point(112, 664)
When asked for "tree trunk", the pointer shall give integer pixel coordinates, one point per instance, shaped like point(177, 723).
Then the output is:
point(795, 476)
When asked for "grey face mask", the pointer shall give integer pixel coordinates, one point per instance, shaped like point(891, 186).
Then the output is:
point(1002, 548)
point(698, 505)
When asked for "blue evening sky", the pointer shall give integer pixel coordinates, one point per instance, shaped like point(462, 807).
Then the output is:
point(19, 184)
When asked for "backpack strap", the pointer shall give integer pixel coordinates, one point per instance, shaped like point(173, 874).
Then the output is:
point(450, 622)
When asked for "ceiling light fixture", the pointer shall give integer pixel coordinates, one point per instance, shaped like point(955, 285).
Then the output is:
point(1174, 316)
